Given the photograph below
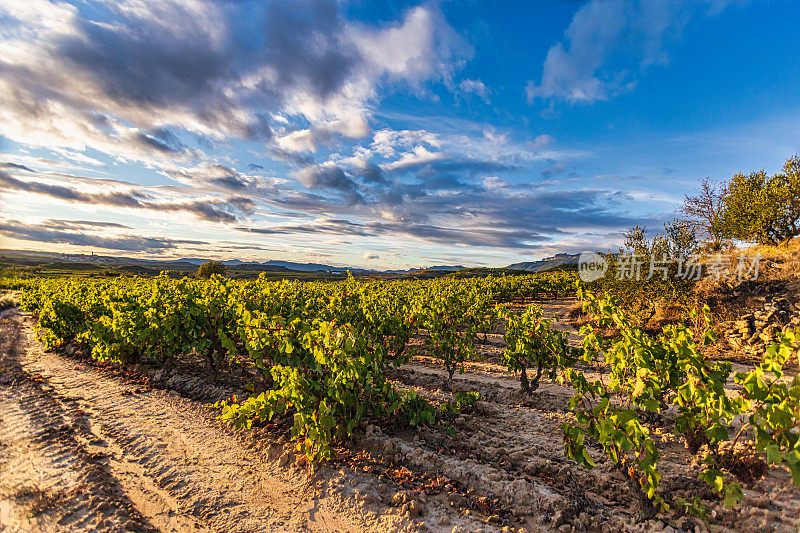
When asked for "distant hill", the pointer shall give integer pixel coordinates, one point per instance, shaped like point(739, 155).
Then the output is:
point(189, 265)
point(446, 267)
point(308, 267)
point(258, 267)
point(138, 270)
point(439, 268)
point(547, 263)
point(76, 261)
point(275, 265)
point(191, 260)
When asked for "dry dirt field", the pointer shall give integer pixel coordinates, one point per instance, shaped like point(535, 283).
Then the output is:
point(97, 447)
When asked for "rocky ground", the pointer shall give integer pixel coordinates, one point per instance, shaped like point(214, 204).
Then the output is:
point(752, 332)
point(88, 447)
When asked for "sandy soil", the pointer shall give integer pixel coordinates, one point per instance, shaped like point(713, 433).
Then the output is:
point(83, 447)
point(82, 450)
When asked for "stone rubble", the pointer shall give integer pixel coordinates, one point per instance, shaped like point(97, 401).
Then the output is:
point(754, 332)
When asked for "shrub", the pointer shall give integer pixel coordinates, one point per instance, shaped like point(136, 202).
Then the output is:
point(210, 268)
point(7, 301)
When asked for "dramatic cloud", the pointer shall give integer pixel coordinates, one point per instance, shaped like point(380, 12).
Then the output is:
point(209, 210)
point(62, 232)
point(427, 232)
point(332, 178)
point(609, 43)
point(281, 118)
point(120, 77)
point(121, 199)
point(54, 223)
point(218, 177)
point(477, 217)
point(16, 166)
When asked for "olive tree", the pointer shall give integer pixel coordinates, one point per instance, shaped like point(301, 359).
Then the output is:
point(209, 268)
point(764, 209)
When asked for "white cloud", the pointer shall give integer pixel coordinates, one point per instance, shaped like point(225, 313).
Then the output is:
point(353, 126)
point(494, 182)
point(608, 44)
point(422, 47)
point(418, 156)
point(476, 87)
point(543, 141)
point(386, 142)
point(494, 137)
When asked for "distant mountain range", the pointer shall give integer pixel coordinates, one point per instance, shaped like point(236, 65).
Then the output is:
point(547, 263)
point(440, 267)
point(301, 267)
point(189, 263)
point(290, 265)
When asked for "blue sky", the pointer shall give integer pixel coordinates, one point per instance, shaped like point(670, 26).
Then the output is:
point(380, 134)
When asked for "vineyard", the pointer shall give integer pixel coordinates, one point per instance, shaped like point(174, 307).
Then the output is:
point(466, 402)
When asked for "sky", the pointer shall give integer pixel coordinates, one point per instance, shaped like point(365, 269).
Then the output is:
point(380, 134)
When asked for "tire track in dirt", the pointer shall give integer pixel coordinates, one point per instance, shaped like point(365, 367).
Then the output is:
point(50, 481)
point(101, 460)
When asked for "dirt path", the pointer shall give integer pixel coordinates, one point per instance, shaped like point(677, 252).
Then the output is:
point(79, 451)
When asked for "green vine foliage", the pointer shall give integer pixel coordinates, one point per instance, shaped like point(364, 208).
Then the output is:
point(452, 315)
point(647, 374)
point(774, 405)
point(322, 348)
point(334, 380)
point(533, 343)
point(331, 378)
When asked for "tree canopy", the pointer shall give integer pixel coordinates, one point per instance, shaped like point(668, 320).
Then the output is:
point(207, 269)
point(753, 207)
point(764, 209)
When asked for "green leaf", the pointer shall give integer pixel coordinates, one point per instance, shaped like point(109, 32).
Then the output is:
point(733, 494)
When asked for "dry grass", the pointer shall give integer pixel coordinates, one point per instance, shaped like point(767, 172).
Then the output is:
point(778, 276)
point(777, 262)
point(772, 251)
point(8, 300)
point(664, 315)
point(575, 311)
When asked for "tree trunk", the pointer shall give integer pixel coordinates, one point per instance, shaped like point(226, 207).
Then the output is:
point(451, 369)
point(212, 367)
point(645, 510)
point(524, 384)
point(535, 384)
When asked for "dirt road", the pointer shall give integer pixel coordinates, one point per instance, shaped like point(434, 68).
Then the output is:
point(81, 450)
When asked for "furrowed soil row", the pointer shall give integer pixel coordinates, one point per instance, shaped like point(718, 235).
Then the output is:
point(79, 451)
